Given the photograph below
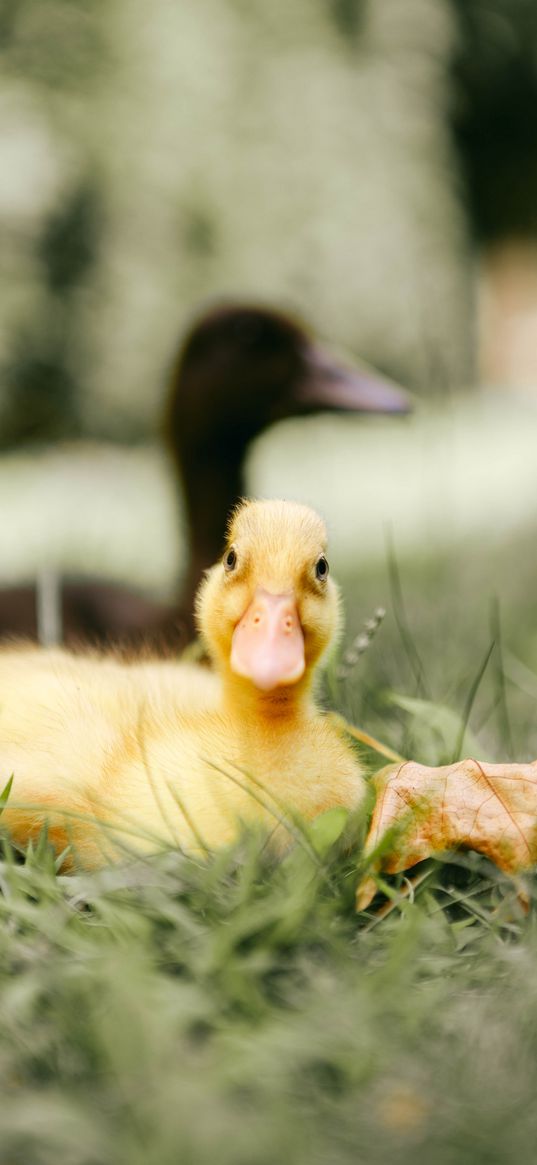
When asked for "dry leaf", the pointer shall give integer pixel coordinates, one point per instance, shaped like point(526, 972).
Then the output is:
point(470, 805)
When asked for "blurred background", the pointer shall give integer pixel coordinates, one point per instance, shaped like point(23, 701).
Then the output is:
point(372, 167)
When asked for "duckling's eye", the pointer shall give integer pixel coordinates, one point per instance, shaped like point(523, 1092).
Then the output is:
point(321, 568)
point(230, 560)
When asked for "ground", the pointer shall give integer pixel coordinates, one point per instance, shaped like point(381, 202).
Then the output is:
point(237, 1011)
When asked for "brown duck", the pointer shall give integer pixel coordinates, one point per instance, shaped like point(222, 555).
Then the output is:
point(241, 368)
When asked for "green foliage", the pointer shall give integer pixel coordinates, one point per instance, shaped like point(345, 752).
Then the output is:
point(293, 153)
point(5, 793)
point(494, 85)
point(57, 43)
point(239, 1010)
point(435, 732)
point(41, 383)
point(348, 16)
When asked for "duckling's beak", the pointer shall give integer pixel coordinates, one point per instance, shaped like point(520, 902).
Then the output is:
point(329, 383)
point(268, 643)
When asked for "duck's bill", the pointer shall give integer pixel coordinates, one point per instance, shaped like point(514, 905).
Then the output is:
point(268, 643)
point(329, 383)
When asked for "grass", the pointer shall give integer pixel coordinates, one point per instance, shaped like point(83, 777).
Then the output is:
point(238, 1011)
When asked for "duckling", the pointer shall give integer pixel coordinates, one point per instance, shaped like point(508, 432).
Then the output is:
point(131, 756)
point(241, 368)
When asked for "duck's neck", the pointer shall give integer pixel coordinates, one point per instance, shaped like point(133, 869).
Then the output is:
point(212, 486)
point(251, 709)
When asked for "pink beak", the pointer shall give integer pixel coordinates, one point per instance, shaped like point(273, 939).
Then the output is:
point(268, 644)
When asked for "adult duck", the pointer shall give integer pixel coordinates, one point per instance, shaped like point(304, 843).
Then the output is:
point(241, 368)
point(122, 756)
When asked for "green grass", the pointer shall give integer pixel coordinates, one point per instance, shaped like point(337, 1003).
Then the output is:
point(239, 1011)
point(444, 614)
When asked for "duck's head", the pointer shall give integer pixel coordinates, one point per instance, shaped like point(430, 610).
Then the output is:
point(269, 610)
point(242, 367)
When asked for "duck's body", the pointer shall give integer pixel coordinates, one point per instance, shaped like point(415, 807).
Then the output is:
point(158, 759)
point(240, 369)
point(128, 757)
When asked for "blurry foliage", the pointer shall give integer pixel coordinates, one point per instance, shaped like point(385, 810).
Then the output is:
point(297, 154)
point(68, 243)
point(53, 53)
point(57, 43)
point(303, 156)
point(348, 16)
point(40, 373)
point(495, 113)
point(238, 1012)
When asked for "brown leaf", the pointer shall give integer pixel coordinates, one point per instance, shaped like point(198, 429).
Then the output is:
point(469, 805)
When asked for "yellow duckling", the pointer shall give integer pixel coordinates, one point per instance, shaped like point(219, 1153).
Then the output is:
point(119, 756)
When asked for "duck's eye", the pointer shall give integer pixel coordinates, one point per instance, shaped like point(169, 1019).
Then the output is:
point(321, 568)
point(230, 560)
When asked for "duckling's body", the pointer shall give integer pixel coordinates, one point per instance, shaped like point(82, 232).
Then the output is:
point(118, 755)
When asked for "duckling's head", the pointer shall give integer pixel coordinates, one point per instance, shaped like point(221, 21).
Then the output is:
point(269, 610)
